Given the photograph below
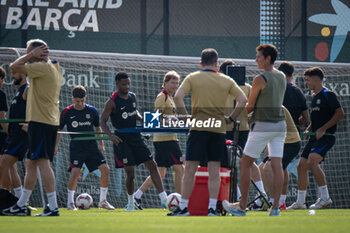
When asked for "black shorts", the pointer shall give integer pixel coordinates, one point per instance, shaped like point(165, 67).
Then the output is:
point(41, 140)
point(168, 153)
point(85, 152)
point(320, 146)
point(290, 151)
point(131, 151)
point(205, 145)
point(17, 147)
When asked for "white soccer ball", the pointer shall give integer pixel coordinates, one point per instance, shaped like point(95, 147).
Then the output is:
point(311, 212)
point(173, 201)
point(84, 201)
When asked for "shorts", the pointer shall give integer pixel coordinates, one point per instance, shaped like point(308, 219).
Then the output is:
point(320, 146)
point(205, 146)
point(270, 134)
point(41, 140)
point(17, 147)
point(85, 152)
point(131, 151)
point(290, 151)
point(168, 153)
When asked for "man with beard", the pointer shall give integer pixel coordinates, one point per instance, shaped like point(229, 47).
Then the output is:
point(17, 140)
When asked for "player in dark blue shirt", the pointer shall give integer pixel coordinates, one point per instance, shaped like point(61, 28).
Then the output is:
point(294, 99)
point(326, 112)
point(17, 141)
point(81, 117)
point(129, 148)
point(295, 102)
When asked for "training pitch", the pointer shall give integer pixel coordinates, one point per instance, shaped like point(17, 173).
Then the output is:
point(155, 220)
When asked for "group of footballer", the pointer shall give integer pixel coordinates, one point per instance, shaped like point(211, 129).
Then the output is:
point(266, 125)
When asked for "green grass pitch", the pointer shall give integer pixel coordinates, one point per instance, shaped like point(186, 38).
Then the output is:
point(155, 220)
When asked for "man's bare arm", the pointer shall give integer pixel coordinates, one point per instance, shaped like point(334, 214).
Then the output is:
point(102, 144)
point(241, 103)
point(305, 117)
point(107, 111)
point(179, 101)
point(338, 115)
point(18, 66)
point(58, 139)
point(257, 85)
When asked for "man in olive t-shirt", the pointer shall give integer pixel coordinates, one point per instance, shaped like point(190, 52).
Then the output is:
point(209, 91)
point(45, 77)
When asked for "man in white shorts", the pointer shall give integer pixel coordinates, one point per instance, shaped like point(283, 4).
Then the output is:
point(268, 129)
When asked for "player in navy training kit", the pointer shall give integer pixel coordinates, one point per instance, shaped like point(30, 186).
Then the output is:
point(326, 112)
point(81, 117)
point(294, 99)
point(129, 148)
point(17, 140)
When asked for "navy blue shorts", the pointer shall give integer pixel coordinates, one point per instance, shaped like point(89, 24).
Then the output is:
point(205, 146)
point(132, 151)
point(168, 153)
point(85, 152)
point(42, 140)
point(17, 147)
point(321, 146)
point(290, 151)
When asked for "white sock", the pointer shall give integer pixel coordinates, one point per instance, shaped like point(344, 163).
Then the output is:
point(272, 200)
point(238, 194)
point(51, 197)
point(130, 198)
point(324, 192)
point(282, 199)
point(212, 203)
point(301, 197)
point(18, 191)
point(318, 192)
point(70, 196)
point(183, 203)
point(260, 186)
point(138, 194)
point(103, 194)
point(24, 197)
point(162, 196)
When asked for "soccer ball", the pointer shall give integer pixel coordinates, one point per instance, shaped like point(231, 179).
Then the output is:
point(84, 201)
point(173, 201)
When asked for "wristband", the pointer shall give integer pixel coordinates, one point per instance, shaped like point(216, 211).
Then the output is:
point(231, 119)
